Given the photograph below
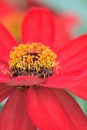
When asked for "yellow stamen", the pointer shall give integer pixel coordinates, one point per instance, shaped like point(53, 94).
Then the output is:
point(32, 59)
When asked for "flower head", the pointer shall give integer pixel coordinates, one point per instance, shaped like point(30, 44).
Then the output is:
point(35, 74)
point(33, 59)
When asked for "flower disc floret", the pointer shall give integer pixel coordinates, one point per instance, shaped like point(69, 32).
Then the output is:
point(32, 59)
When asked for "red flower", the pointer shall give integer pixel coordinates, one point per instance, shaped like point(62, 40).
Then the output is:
point(31, 70)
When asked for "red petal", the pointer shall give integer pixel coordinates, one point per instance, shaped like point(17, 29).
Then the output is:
point(71, 20)
point(65, 81)
point(72, 50)
point(38, 26)
point(73, 62)
point(5, 9)
point(14, 114)
point(4, 77)
point(62, 36)
point(80, 90)
point(76, 62)
point(72, 109)
point(3, 66)
point(45, 110)
point(6, 43)
point(25, 81)
point(5, 91)
point(73, 65)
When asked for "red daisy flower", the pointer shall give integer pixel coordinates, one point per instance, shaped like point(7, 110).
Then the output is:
point(39, 70)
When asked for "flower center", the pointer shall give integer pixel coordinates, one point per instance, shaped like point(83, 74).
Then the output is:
point(32, 59)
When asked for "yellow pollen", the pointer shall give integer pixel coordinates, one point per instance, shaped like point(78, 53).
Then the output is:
point(32, 59)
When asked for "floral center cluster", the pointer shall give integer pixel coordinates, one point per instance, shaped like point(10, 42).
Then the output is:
point(32, 59)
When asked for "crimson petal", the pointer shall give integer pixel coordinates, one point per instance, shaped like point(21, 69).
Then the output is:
point(3, 66)
point(45, 110)
point(5, 9)
point(38, 26)
point(80, 90)
point(5, 91)
point(73, 48)
point(6, 43)
point(62, 36)
point(4, 76)
point(14, 114)
point(76, 62)
point(25, 81)
point(73, 110)
point(65, 81)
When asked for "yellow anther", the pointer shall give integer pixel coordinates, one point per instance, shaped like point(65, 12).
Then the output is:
point(33, 58)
